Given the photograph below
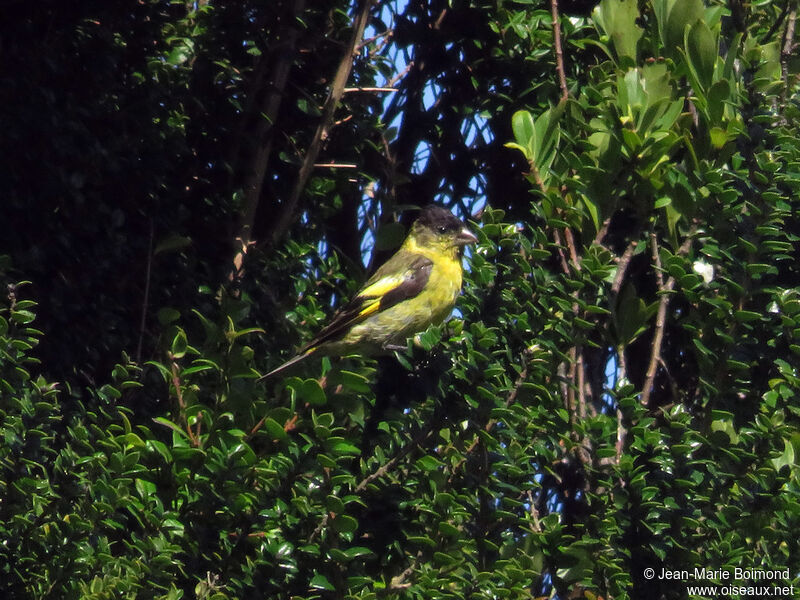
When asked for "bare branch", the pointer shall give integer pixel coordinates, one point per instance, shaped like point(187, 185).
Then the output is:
point(254, 183)
point(664, 288)
point(573, 249)
point(622, 267)
point(146, 298)
point(380, 472)
point(334, 96)
point(336, 165)
point(369, 89)
point(601, 233)
point(536, 527)
point(562, 257)
point(398, 581)
point(490, 424)
point(562, 75)
point(661, 317)
point(787, 51)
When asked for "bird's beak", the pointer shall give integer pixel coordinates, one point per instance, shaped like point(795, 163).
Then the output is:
point(465, 237)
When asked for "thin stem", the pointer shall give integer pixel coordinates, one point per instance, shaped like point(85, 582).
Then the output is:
point(146, 298)
point(788, 49)
point(381, 471)
point(334, 97)
point(664, 288)
point(562, 75)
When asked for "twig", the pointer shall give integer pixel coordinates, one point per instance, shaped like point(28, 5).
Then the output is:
point(369, 89)
point(664, 288)
point(381, 471)
point(581, 383)
point(560, 246)
point(536, 527)
point(673, 386)
point(254, 182)
point(601, 233)
point(622, 431)
point(573, 361)
point(336, 165)
point(562, 75)
point(398, 581)
point(788, 48)
point(420, 437)
point(334, 96)
point(776, 24)
point(490, 424)
point(661, 317)
point(401, 74)
point(573, 250)
point(616, 286)
point(622, 267)
point(146, 298)
point(438, 23)
point(176, 383)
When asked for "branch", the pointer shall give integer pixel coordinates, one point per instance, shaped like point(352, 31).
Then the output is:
point(418, 439)
point(616, 286)
point(381, 471)
point(573, 249)
point(622, 431)
point(622, 267)
point(536, 527)
point(581, 382)
point(146, 299)
point(788, 48)
point(658, 336)
point(254, 182)
point(398, 581)
point(334, 96)
point(776, 24)
point(664, 288)
point(510, 399)
point(601, 233)
point(336, 165)
point(369, 89)
point(561, 256)
point(562, 75)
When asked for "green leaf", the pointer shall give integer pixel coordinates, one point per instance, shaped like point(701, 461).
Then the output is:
point(746, 316)
point(524, 132)
point(345, 448)
point(275, 430)
point(345, 524)
point(674, 16)
point(320, 582)
point(717, 97)
point(357, 551)
point(617, 19)
point(179, 345)
point(171, 243)
point(168, 315)
point(311, 391)
point(167, 423)
point(786, 458)
point(701, 49)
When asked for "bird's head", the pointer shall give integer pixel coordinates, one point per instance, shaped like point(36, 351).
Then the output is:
point(437, 227)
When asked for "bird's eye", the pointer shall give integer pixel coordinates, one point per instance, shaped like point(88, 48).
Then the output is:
point(442, 229)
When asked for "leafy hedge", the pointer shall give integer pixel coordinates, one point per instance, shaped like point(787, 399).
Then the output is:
point(618, 393)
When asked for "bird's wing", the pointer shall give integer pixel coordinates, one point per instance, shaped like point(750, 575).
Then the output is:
point(402, 277)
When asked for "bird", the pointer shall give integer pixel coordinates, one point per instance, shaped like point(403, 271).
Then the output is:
point(416, 287)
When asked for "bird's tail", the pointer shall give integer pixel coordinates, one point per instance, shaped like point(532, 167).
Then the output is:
point(289, 363)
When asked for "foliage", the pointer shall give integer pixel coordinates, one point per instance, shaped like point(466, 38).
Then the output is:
point(618, 391)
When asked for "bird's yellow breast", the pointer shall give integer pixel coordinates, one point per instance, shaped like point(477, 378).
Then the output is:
point(431, 306)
